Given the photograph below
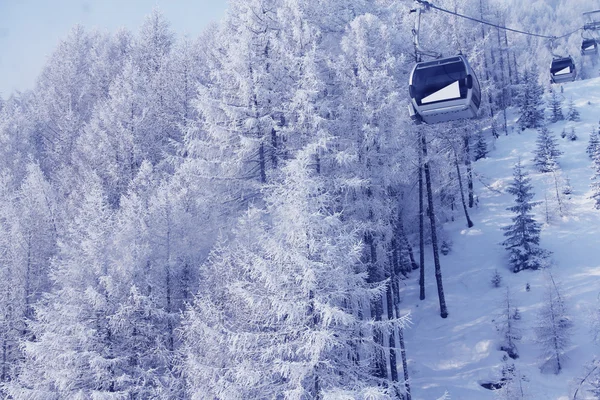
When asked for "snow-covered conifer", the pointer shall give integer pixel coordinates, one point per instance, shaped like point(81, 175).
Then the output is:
point(523, 235)
point(508, 326)
point(480, 146)
point(556, 113)
point(280, 315)
point(572, 113)
point(596, 178)
point(546, 152)
point(530, 100)
point(592, 143)
point(553, 330)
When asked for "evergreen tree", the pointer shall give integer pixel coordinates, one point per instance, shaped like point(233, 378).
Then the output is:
point(511, 381)
point(546, 153)
point(523, 236)
point(481, 150)
point(556, 108)
point(573, 113)
point(592, 143)
point(530, 100)
point(553, 329)
point(507, 325)
point(596, 178)
point(280, 313)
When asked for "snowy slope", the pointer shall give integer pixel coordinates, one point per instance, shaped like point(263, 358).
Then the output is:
point(457, 353)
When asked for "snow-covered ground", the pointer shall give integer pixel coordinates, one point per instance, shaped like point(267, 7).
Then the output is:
point(457, 353)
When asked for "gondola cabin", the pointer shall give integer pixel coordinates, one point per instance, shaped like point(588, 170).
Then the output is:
point(562, 70)
point(589, 47)
point(444, 90)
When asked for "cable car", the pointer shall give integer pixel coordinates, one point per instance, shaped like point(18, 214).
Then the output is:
point(589, 47)
point(562, 70)
point(444, 90)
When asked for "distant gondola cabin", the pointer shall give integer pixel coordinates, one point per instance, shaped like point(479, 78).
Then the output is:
point(562, 70)
point(589, 47)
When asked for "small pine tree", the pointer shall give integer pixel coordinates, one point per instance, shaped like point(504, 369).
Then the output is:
point(531, 114)
point(481, 150)
point(593, 143)
point(596, 179)
point(496, 279)
point(572, 113)
point(553, 329)
point(556, 113)
point(523, 235)
point(572, 136)
point(546, 153)
point(512, 382)
point(508, 326)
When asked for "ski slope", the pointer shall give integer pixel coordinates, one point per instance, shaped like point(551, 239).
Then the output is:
point(458, 353)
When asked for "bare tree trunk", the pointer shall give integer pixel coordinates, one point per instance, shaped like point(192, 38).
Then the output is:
point(375, 275)
point(274, 148)
point(462, 194)
point(469, 171)
point(4, 375)
point(485, 62)
point(405, 243)
point(434, 239)
point(396, 289)
point(392, 336)
point(421, 227)
point(503, 82)
point(262, 163)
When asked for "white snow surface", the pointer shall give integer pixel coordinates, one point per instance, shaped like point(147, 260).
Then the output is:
point(458, 353)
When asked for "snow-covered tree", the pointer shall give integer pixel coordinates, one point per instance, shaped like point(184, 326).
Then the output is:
point(546, 152)
point(523, 235)
point(70, 353)
point(592, 143)
point(481, 150)
point(553, 330)
point(531, 114)
point(507, 324)
point(512, 383)
point(596, 178)
point(572, 113)
point(556, 113)
point(282, 316)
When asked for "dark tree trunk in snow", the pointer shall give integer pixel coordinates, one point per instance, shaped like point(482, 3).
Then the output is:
point(469, 166)
point(396, 290)
point(421, 227)
point(434, 239)
point(462, 193)
point(262, 163)
point(392, 336)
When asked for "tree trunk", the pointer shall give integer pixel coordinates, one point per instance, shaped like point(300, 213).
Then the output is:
point(462, 193)
point(396, 289)
point(485, 62)
point(375, 275)
point(4, 375)
point(434, 239)
point(392, 336)
point(421, 227)
point(469, 171)
point(262, 163)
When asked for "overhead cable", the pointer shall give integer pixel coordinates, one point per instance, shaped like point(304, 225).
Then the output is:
point(428, 4)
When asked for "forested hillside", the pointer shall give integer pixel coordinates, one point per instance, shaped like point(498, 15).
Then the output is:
point(252, 214)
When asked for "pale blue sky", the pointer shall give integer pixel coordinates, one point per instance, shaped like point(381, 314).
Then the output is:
point(31, 29)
